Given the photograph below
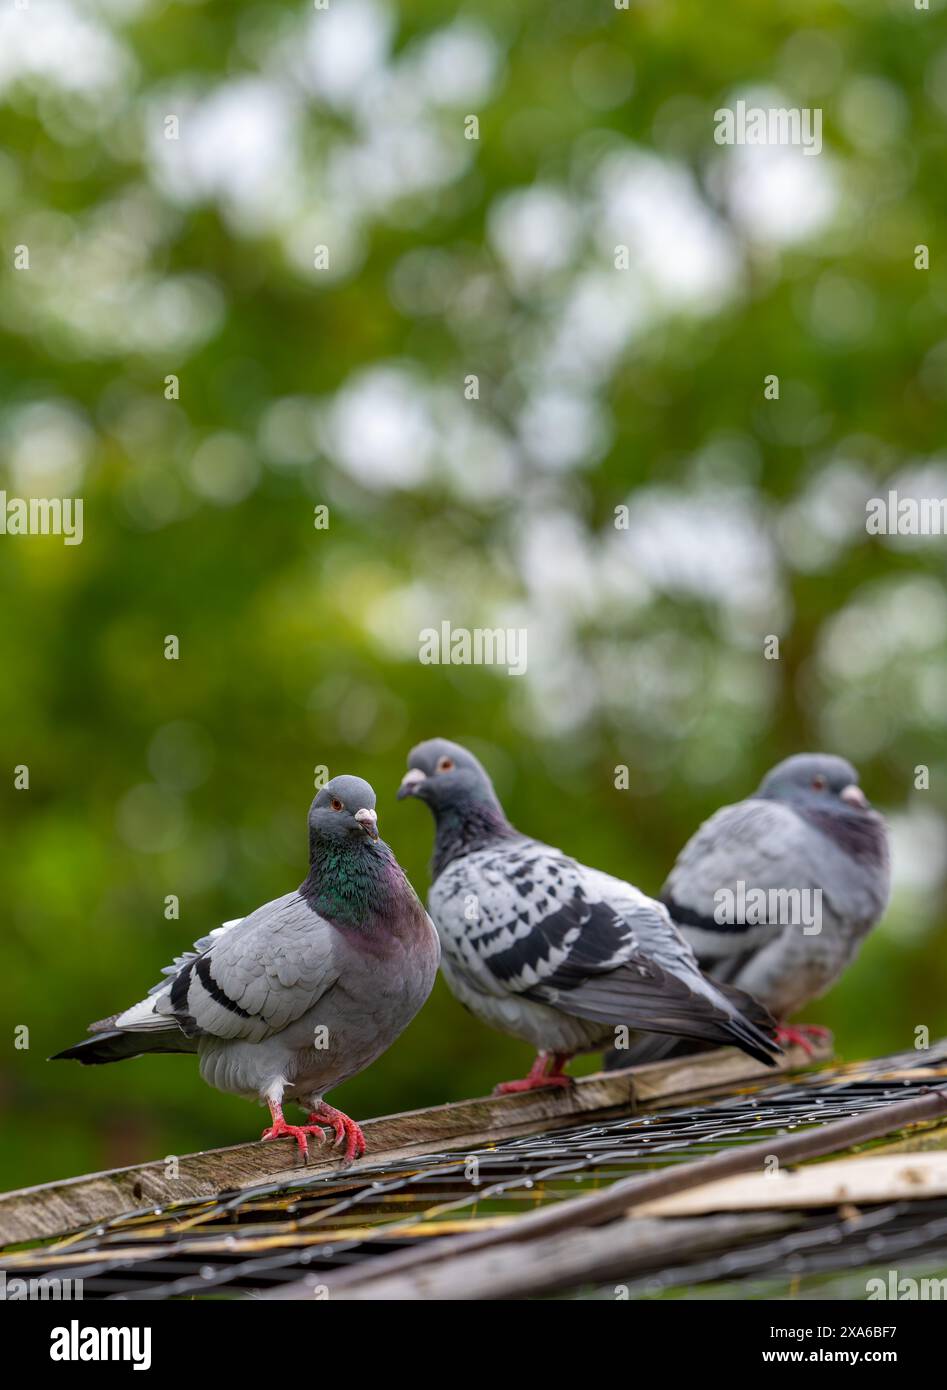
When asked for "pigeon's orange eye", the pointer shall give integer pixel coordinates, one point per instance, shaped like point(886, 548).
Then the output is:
point(819, 783)
point(445, 764)
point(336, 804)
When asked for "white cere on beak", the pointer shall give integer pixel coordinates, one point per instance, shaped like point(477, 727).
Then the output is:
point(854, 796)
point(368, 820)
point(412, 778)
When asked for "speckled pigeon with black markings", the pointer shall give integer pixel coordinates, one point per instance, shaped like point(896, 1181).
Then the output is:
point(306, 991)
point(807, 830)
point(546, 949)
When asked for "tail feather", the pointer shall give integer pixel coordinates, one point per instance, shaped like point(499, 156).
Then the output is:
point(117, 1046)
point(734, 1031)
point(753, 1029)
point(653, 1000)
point(752, 1024)
point(748, 1037)
point(750, 1007)
point(746, 1023)
point(651, 1047)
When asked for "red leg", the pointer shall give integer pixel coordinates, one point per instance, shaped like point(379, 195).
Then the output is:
point(279, 1128)
point(347, 1132)
point(546, 1071)
point(805, 1035)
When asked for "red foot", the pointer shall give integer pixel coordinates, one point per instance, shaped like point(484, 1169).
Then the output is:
point(347, 1132)
point(279, 1128)
point(530, 1083)
point(546, 1071)
point(804, 1036)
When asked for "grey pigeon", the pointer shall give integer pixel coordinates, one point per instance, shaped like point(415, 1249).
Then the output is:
point(307, 990)
point(546, 949)
point(808, 830)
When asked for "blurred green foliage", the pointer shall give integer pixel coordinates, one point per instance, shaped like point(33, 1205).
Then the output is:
point(298, 646)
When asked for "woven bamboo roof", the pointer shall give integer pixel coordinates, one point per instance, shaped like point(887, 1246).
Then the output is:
point(707, 1174)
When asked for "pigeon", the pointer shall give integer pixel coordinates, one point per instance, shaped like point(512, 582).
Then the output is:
point(808, 858)
point(306, 991)
point(548, 950)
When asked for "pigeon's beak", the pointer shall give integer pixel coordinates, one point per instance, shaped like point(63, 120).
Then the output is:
point(410, 782)
point(854, 796)
point(368, 820)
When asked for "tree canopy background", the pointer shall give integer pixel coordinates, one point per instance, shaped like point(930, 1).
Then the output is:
point(172, 170)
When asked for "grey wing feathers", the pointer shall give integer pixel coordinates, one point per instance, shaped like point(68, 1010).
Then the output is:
point(512, 917)
point(759, 843)
point(247, 979)
point(144, 1017)
point(565, 935)
point(657, 987)
point(203, 943)
point(255, 978)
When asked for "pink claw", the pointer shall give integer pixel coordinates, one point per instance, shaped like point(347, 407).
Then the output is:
point(546, 1071)
point(805, 1035)
point(532, 1083)
point(279, 1129)
point(347, 1132)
